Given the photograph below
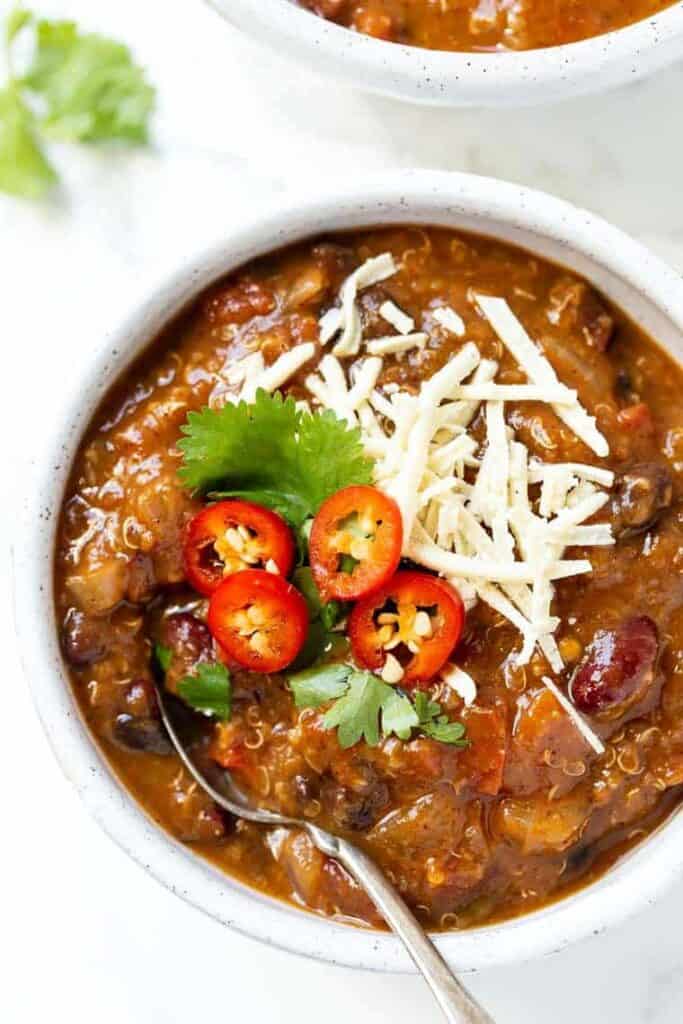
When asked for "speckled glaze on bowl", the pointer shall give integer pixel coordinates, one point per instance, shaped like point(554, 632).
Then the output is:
point(452, 79)
point(630, 275)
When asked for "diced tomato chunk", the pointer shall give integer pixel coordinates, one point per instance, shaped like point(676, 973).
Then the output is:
point(238, 302)
point(484, 760)
point(637, 418)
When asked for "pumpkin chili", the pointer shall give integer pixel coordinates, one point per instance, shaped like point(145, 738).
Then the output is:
point(485, 25)
point(396, 517)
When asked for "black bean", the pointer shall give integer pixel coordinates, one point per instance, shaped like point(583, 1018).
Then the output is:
point(642, 494)
point(142, 735)
point(84, 639)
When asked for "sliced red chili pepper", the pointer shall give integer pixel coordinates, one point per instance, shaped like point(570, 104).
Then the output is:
point(234, 535)
point(259, 619)
point(355, 543)
point(416, 618)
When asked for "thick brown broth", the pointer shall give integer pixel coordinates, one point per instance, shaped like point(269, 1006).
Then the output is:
point(528, 812)
point(484, 25)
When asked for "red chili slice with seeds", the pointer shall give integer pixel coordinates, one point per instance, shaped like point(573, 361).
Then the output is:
point(415, 618)
point(259, 619)
point(355, 543)
point(234, 535)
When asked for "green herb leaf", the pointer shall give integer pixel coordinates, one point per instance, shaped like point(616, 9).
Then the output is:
point(164, 656)
point(316, 686)
point(436, 725)
point(24, 170)
point(209, 690)
point(271, 451)
point(332, 613)
point(398, 716)
point(302, 578)
point(426, 709)
point(17, 19)
point(90, 85)
point(356, 714)
point(444, 731)
point(289, 506)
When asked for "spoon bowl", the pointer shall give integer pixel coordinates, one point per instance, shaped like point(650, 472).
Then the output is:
point(457, 1004)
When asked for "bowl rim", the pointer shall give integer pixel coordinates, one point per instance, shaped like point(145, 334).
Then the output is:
point(412, 196)
point(454, 78)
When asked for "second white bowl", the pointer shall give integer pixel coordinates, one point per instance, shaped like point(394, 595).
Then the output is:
point(449, 79)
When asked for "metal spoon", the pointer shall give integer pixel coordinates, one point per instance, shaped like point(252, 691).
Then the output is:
point(458, 1006)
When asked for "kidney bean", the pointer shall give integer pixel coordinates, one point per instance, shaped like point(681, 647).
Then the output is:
point(619, 666)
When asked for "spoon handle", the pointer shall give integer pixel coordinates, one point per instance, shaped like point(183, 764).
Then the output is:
point(458, 1006)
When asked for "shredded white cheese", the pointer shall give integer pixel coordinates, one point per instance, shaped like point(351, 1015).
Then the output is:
point(347, 322)
point(461, 682)
point(538, 369)
point(471, 511)
point(450, 320)
point(331, 390)
point(396, 344)
point(395, 316)
point(515, 393)
point(284, 367)
point(579, 721)
point(252, 373)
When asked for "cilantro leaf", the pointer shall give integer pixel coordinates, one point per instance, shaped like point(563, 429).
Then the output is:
point(316, 686)
point(329, 613)
point(356, 714)
point(426, 709)
point(321, 641)
point(444, 731)
point(90, 85)
point(209, 690)
point(365, 707)
point(398, 716)
point(436, 725)
point(271, 451)
point(289, 506)
point(164, 656)
point(366, 702)
point(24, 169)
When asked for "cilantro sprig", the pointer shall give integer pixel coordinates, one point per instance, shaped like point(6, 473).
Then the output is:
point(209, 691)
point(272, 453)
point(364, 707)
point(78, 87)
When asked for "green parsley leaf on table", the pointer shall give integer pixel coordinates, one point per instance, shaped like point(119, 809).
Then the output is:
point(78, 88)
point(24, 169)
point(91, 88)
point(272, 453)
point(209, 691)
point(17, 19)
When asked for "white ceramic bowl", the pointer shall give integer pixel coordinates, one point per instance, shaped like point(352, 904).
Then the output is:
point(440, 78)
point(637, 281)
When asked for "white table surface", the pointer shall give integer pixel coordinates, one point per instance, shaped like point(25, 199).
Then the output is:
point(89, 937)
